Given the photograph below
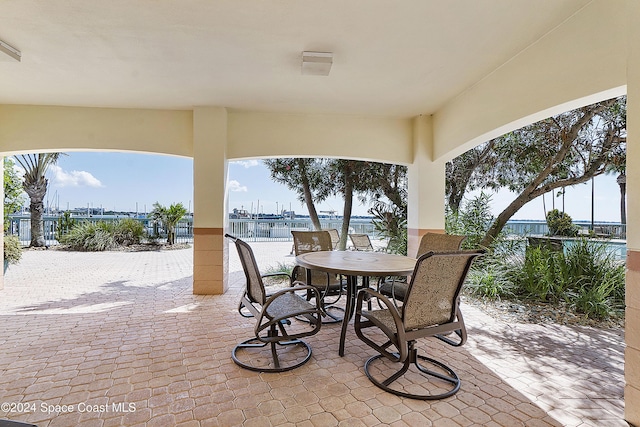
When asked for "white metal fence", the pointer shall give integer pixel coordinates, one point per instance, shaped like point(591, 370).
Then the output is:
point(246, 229)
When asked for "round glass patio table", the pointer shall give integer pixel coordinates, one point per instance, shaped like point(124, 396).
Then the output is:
point(353, 264)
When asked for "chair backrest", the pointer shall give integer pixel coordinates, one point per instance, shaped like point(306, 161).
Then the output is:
point(361, 242)
point(335, 237)
point(255, 286)
point(435, 285)
point(437, 242)
point(311, 241)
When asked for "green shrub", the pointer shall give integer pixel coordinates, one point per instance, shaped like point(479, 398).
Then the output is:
point(488, 281)
point(90, 236)
point(128, 231)
point(472, 220)
point(280, 281)
point(65, 223)
point(539, 274)
point(12, 249)
point(561, 224)
point(585, 275)
point(390, 223)
point(103, 235)
point(596, 301)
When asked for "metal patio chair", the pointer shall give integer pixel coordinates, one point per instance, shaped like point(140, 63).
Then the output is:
point(273, 329)
point(431, 309)
point(361, 242)
point(396, 287)
point(335, 237)
point(329, 285)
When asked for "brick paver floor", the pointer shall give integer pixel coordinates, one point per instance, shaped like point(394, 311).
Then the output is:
point(118, 339)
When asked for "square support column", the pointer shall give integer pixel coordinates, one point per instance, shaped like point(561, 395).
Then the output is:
point(632, 314)
point(210, 250)
point(426, 186)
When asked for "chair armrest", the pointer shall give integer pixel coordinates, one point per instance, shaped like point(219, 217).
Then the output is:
point(276, 275)
point(390, 305)
point(397, 337)
point(292, 289)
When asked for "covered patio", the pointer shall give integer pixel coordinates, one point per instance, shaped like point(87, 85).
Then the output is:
point(415, 83)
point(131, 337)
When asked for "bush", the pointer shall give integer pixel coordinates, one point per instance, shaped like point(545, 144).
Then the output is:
point(539, 274)
point(90, 236)
point(128, 231)
point(585, 275)
point(561, 224)
point(390, 223)
point(277, 280)
point(103, 236)
point(65, 223)
point(473, 220)
point(488, 281)
point(12, 249)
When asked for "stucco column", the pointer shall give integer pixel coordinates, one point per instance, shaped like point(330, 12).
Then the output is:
point(426, 186)
point(210, 250)
point(632, 319)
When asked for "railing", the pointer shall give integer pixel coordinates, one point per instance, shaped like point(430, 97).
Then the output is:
point(246, 229)
point(539, 228)
point(280, 229)
point(21, 226)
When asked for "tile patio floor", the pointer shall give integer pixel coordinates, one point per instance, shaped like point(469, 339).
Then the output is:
point(116, 331)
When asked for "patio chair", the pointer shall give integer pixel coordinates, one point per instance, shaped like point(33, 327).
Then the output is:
point(335, 237)
point(361, 242)
point(328, 284)
point(396, 287)
point(431, 309)
point(274, 329)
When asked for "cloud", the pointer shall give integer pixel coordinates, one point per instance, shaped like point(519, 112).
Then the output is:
point(73, 178)
point(236, 187)
point(248, 163)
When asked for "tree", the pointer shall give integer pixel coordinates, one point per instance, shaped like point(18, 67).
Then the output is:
point(377, 181)
point(316, 179)
point(561, 151)
point(385, 186)
point(371, 182)
point(459, 173)
point(12, 190)
point(342, 175)
point(622, 183)
point(303, 176)
point(35, 185)
point(620, 168)
point(169, 217)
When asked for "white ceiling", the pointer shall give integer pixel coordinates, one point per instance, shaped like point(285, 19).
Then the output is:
point(392, 58)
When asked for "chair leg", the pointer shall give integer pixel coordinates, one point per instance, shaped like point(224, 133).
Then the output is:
point(449, 377)
point(270, 360)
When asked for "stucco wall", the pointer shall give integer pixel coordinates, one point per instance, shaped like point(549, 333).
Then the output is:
point(51, 128)
point(254, 134)
point(578, 63)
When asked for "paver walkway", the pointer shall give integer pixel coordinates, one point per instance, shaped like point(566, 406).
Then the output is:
point(120, 339)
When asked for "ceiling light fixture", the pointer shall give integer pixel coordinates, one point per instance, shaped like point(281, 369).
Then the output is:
point(11, 51)
point(316, 63)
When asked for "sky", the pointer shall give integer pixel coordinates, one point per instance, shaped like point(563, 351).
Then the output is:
point(119, 181)
point(133, 182)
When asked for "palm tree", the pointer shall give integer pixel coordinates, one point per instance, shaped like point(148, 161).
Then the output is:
point(622, 182)
point(169, 217)
point(35, 185)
